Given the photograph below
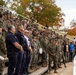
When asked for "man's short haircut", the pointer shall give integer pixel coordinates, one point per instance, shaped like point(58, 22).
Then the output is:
point(10, 27)
point(19, 26)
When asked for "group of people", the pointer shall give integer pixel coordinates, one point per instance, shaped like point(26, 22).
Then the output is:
point(18, 50)
point(26, 45)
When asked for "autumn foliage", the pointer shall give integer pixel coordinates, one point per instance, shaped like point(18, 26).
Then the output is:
point(46, 12)
point(72, 31)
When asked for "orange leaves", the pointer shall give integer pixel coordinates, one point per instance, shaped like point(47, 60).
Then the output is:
point(72, 31)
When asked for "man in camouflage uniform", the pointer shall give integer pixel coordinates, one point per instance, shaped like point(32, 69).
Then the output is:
point(46, 43)
point(43, 46)
point(4, 25)
point(52, 51)
point(34, 59)
point(60, 53)
point(2, 51)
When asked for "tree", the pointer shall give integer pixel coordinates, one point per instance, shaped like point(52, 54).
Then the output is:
point(16, 5)
point(2, 2)
point(72, 31)
point(45, 12)
point(73, 23)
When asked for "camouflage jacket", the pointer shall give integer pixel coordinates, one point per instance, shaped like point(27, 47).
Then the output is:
point(2, 46)
point(52, 49)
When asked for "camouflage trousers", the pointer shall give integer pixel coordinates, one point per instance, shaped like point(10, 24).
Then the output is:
point(34, 58)
point(61, 58)
point(54, 60)
point(2, 65)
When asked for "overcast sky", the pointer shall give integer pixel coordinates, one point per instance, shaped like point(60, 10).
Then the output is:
point(69, 9)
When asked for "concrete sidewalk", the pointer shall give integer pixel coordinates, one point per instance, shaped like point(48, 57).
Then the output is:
point(63, 70)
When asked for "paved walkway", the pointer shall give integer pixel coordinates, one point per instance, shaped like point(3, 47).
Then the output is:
point(61, 71)
point(64, 71)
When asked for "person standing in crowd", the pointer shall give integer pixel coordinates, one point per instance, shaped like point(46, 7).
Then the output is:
point(52, 51)
point(71, 49)
point(66, 51)
point(4, 30)
point(75, 48)
point(60, 53)
point(19, 35)
point(74, 40)
point(5, 25)
point(35, 45)
point(27, 53)
point(13, 50)
point(2, 51)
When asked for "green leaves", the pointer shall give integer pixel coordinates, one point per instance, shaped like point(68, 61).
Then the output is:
point(44, 11)
point(2, 2)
